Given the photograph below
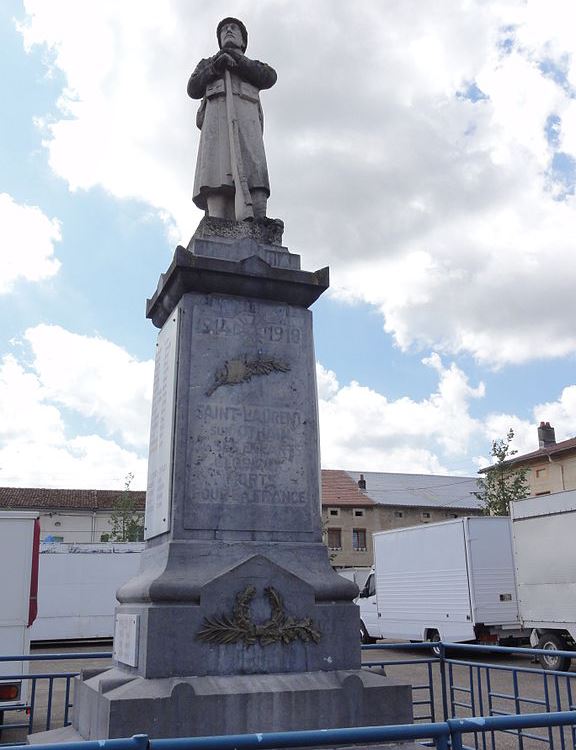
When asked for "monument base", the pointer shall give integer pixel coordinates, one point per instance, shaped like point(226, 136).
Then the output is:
point(110, 704)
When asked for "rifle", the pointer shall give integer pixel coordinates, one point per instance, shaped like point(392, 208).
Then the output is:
point(242, 198)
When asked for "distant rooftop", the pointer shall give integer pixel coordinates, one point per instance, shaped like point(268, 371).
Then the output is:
point(547, 447)
point(416, 490)
point(343, 488)
point(36, 498)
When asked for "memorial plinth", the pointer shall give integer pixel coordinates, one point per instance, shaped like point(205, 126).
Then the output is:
point(236, 621)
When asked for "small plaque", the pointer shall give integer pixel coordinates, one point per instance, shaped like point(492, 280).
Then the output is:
point(126, 639)
point(159, 488)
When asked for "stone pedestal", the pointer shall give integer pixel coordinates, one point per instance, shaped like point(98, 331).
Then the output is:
point(236, 621)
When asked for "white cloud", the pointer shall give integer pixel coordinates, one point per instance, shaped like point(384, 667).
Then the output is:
point(439, 210)
point(27, 246)
point(99, 380)
point(69, 379)
point(362, 429)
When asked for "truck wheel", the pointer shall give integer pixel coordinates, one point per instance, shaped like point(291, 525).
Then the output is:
point(553, 642)
point(434, 637)
point(364, 637)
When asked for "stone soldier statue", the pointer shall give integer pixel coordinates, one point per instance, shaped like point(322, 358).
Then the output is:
point(231, 179)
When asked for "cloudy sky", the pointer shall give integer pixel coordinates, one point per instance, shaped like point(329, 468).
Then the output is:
point(426, 152)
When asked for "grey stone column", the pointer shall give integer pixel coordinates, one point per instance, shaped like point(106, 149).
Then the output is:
point(236, 621)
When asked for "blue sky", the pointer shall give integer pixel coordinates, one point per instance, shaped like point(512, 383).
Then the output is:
point(427, 157)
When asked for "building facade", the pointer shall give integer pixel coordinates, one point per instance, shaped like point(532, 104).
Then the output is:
point(77, 516)
point(355, 505)
point(551, 468)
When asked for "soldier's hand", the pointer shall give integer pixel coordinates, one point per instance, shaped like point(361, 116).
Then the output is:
point(235, 53)
point(223, 61)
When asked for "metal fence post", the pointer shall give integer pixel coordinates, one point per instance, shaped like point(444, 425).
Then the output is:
point(442, 657)
point(141, 741)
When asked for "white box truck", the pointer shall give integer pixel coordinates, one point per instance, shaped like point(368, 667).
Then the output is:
point(544, 539)
point(19, 544)
point(451, 581)
point(77, 586)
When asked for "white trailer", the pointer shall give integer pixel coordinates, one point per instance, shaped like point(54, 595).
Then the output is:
point(19, 542)
point(451, 581)
point(544, 534)
point(77, 588)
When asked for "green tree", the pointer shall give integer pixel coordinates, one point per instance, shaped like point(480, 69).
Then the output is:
point(127, 522)
point(503, 482)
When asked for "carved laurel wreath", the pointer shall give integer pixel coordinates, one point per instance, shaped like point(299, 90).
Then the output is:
point(280, 628)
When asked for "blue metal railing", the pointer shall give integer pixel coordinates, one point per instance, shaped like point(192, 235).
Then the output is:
point(450, 687)
point(447, 734)
point(469, 686)
point(51, 678)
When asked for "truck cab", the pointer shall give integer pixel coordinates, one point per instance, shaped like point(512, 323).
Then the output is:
point(369, 625)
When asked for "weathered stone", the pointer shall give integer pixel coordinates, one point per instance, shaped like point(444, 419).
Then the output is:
point(267, 231)
point(236, 621)
point(205, 706)
point(252, 277)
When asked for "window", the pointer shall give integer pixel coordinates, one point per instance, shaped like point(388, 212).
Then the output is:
point(359, 540)
point(542, 493)
point(335, 538)
point(358, 513)
point(334, 512)
point(398, 514)
point(371, 585)
point(425, 515)
point(540, 473)
point(451, 515)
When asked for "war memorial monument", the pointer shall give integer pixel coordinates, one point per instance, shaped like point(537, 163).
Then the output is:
point(236, 622)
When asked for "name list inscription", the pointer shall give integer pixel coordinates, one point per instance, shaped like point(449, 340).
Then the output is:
point(251, 447)
point(257, 446)
point(158, 492)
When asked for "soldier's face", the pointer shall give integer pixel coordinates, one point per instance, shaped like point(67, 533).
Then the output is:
point(231, 36)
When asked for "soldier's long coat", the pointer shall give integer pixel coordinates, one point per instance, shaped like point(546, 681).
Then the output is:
point(213, 167)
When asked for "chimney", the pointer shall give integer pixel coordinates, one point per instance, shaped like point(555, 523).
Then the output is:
point(546, 435)
point(362, 481)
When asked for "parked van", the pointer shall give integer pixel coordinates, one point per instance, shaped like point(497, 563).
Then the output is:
point(452, 581)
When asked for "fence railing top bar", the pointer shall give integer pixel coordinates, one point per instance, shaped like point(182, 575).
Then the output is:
point(59, 657)
point(424, 646)
point(125, 743)
point(512, 721)
point(326, 737)
point(306, 738)
point(478, 647)
point(503, 667)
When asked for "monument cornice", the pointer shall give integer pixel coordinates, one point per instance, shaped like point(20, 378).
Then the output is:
point(250, 277)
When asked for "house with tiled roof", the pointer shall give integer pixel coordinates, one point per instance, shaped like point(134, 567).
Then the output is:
point(550, 468)
point(69, 515)
point(355, 505)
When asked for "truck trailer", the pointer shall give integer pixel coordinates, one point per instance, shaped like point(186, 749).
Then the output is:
point(19, 544)
point(543, 535)
point(452, 581)
point(77, 586)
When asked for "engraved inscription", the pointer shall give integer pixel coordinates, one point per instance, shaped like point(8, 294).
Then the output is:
point(237, 371)
point(223, 318)
point(158, 490)
point(255, 445)
point(251, 450)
